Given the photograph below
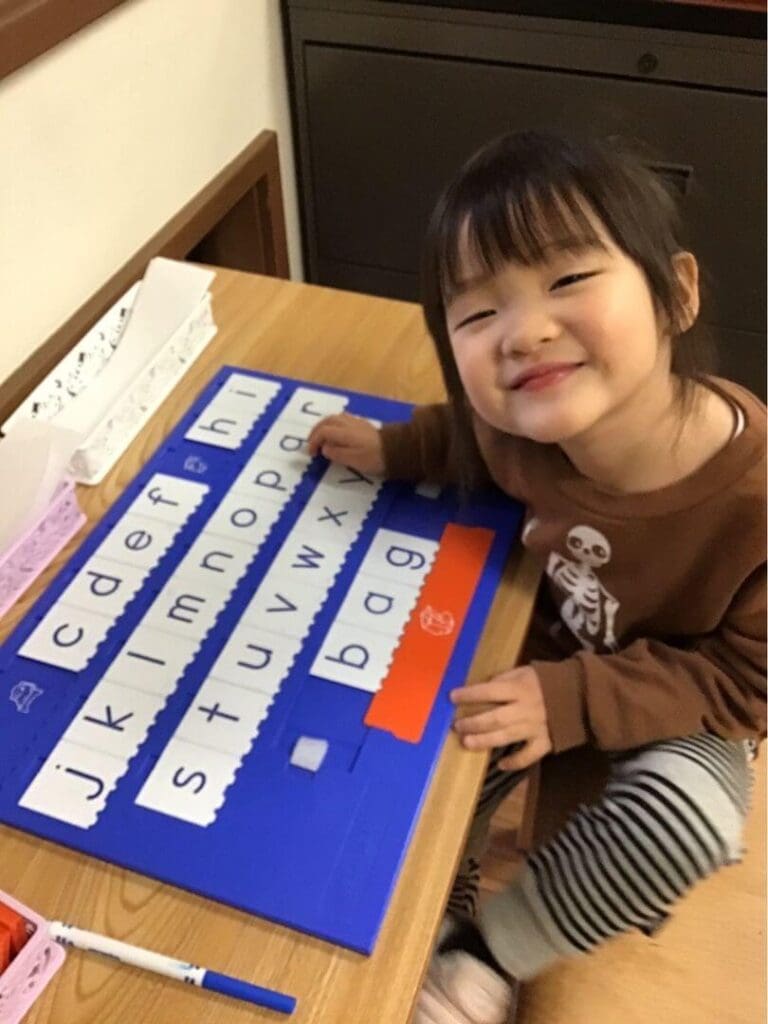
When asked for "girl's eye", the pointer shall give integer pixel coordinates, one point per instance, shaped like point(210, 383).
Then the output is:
point(563, 282)
point(474, 316)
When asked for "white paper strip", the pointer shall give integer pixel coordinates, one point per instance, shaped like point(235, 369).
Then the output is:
point(169, 292)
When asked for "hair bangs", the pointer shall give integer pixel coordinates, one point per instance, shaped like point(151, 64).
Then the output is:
point(520, 225)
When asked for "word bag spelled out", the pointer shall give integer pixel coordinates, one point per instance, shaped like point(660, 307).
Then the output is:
point(238, 684)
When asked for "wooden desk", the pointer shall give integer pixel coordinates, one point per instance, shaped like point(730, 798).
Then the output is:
point(334, 338)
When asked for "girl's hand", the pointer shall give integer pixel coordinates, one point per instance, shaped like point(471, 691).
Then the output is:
point(519, 715)
point(350, 440)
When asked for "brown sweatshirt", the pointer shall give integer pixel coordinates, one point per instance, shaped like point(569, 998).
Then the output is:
point(658, 599)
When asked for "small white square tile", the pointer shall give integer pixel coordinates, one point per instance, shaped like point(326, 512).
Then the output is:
point(189, 782)
point(309, 753)
point(427, 490)
point(224, 717)
point(114, 719)
point(152, 662)
point(168, 498)
point(73, 785)
point(67, 637)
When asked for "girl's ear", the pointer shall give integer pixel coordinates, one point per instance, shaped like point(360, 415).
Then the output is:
point(687, 272)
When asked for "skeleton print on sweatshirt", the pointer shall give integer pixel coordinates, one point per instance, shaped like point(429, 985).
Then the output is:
point(587, 608)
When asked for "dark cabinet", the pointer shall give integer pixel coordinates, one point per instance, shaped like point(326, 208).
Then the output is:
point(389, 99)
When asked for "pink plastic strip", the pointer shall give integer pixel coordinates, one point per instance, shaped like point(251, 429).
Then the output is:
point(37, 547)
point(31, 970)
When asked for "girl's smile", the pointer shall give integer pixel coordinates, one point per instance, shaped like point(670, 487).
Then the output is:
point(543, 375)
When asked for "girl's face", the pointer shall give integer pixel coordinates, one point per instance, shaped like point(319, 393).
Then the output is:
point(551, 350)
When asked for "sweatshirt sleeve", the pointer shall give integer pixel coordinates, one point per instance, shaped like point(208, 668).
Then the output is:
point(424, 448)
point(652, 690)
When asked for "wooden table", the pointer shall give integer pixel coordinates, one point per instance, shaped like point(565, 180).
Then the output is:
point(335, 338)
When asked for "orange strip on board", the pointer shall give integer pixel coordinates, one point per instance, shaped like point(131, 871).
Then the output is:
point(403, 704)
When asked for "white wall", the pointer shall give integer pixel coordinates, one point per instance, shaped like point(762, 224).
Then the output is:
point(106, 136)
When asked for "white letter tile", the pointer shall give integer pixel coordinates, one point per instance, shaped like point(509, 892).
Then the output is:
point(224, 717)
point(268, 479)
point(185, 609)
point(67, 637)
point(305, 559)
point(331, 514)
point(245, 519)
point(150, 661)
point(104, 587)
point(284, 603)
point(400, 557)
point(138, 541)
point(306, 405)
point(169, 498)
point(378, 604)
point(349, 481)
point(73, 784)
point(354, 657)
point(114, 719)
point(256, 659)
point(287, 442)
point(231, 414)
point(215, 561)
point(189, 782)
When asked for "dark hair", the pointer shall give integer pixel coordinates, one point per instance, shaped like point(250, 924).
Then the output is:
point(522, 191)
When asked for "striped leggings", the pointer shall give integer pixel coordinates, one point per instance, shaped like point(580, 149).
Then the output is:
point(670, 814)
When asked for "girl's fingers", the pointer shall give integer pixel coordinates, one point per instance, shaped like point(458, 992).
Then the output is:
point(530, 754)
point(498, 738)
point(332, 427)
point(339, 453)
point(494, 691)
point(501, 717)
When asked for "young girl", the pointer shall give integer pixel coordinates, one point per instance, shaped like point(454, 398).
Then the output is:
point(559, 294)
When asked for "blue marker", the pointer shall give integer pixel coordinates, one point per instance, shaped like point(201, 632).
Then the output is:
point(135, 956)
